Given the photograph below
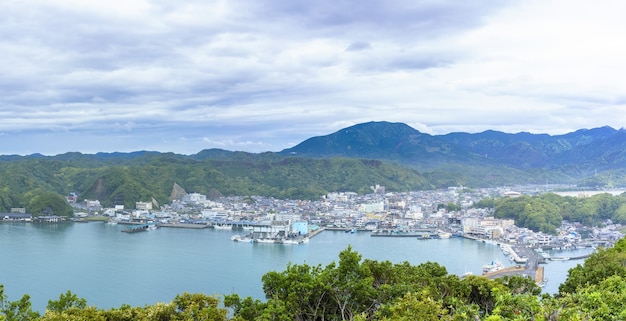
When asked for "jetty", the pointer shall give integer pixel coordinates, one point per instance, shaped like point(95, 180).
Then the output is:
point(184, 225)
point(418, 233)
point(537, 274)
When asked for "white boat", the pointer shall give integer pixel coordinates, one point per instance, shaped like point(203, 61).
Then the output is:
point(444, 235)
point(493, 267)
point(226, 227)
point(295, 241)
point(248, 239)
point(239, 238)
point(559, 258)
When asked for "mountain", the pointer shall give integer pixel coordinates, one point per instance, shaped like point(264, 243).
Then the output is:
point(485, 156)
point(380, 140)
point(126, 178)
point(352, 159)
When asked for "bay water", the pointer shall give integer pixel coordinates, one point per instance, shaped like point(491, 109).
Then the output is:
point(109, 268)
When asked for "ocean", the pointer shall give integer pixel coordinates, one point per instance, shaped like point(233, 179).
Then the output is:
point(109, 268)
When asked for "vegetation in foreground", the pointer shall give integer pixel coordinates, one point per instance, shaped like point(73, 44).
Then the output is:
point(357, 289)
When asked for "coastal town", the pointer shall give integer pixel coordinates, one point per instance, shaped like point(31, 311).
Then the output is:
point(423, 214)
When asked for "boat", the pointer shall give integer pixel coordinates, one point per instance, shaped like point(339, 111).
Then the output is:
point(493, 267)
point(226, 227)
point(295, 241)
point(239, 238)
point(136, 228)
point(288, 241)
point(559, 258)
point(444, 235)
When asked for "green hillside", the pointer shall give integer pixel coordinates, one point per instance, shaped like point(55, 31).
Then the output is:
point(145, 176)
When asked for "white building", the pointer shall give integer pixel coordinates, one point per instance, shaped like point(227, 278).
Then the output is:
point(194, 198)
point(143, 206)
point(372, 207)
point(215, 214)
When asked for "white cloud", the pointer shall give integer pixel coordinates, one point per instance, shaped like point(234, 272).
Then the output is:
point(264, 76)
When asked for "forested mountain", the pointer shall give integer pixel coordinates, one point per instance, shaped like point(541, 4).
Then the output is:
point(143, 176)
point(352, 159)
point(490, 157)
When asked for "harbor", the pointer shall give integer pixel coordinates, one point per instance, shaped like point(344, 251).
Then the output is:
point(135, 268)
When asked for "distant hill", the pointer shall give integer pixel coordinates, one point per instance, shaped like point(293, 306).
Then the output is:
point(352, 159)
point(125, 178)
point(480, 157)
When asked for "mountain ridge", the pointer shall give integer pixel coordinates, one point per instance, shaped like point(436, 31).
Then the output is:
point(584, 147)
point(351, 159)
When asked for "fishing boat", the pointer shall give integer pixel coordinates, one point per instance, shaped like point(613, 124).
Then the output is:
point(493, 267)
point(136, 228)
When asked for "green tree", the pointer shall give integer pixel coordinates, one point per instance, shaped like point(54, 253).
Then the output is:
point(49, 203)
point(516, 306)
point(197, 306)
point(66, 301)
point(601, 264)
point(20, 310)
point(415, 306)
point(600, 301)
point(482, 292)
point(350, 286)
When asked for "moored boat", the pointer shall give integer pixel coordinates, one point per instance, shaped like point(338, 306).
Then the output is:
point(444, 235)
point(493, 267)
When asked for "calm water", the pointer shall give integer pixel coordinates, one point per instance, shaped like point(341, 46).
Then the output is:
point(109, 268)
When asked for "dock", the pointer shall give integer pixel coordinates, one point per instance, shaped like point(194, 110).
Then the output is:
point(184, 225)
point(315, 232)
point(417, 233)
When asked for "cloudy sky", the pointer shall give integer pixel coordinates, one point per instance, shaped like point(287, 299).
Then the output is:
point(185, 75)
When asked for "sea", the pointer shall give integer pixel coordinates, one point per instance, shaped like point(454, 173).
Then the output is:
point(108, 268)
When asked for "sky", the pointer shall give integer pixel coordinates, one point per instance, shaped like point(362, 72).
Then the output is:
point(246, 75)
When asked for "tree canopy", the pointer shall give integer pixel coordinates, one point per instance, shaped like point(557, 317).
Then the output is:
point(545, 212)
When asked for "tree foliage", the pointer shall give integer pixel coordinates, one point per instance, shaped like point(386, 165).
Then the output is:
point(48, 203)
point(545, 212)
point(126, 180)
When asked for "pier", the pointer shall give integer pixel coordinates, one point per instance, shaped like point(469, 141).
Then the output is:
point(184, 225)
point(418, 233)
point(315, 232)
